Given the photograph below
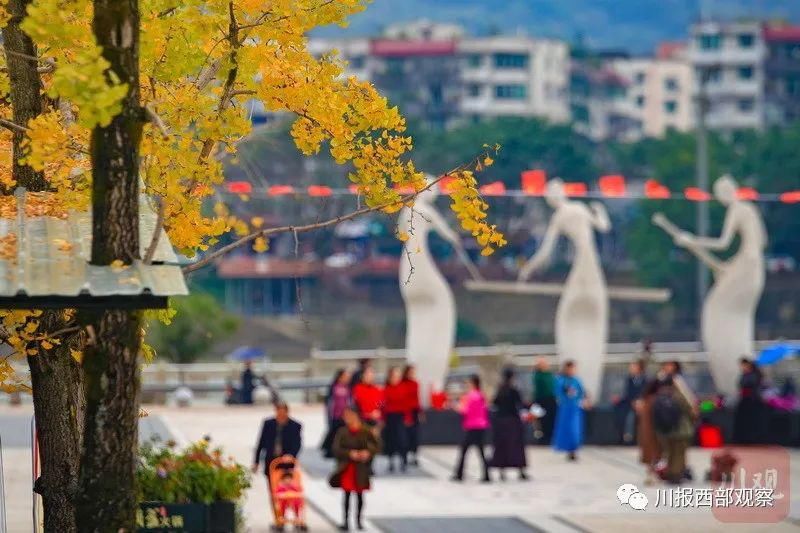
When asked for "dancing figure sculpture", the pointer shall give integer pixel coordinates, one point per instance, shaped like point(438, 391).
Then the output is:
point(429, 303)
point(728, 316)
point(581, 328)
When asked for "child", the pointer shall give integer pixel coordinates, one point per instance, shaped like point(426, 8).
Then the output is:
point(289, 496)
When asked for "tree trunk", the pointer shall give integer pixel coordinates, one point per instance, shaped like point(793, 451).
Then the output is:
point(107, 495)
point(25, 89)
point(55, 376)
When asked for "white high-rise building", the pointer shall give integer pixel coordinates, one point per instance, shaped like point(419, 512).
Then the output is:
point(515, 76)
point(728, 62)
point(659, 90)
point(440, 77)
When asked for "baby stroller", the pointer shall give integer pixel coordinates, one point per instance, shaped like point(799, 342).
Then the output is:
point(286, 493)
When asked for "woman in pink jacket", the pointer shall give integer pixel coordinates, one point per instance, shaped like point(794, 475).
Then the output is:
point(475, 420)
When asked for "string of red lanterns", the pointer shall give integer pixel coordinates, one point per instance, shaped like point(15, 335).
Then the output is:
point(534, 183)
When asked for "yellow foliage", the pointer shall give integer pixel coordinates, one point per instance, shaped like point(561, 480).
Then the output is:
point(201, 61)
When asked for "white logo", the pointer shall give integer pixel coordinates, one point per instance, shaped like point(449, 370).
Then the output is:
point(628, 494)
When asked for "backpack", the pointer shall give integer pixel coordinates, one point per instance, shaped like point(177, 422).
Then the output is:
point(666, 413)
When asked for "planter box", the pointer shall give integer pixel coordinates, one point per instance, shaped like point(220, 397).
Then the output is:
point(218, 517)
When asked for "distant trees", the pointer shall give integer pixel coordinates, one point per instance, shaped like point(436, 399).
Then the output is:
point(199, 322)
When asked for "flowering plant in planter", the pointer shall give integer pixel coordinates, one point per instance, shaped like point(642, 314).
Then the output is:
point(197, 474)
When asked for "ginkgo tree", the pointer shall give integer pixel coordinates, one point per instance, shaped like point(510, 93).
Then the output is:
point(106, 99)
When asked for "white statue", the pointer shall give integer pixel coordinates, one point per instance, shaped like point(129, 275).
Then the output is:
point(430, 308)
point(581, 328)
point(728, 319)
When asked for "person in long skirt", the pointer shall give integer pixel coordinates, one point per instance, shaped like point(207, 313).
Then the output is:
point(748, 419)
point(568, 434)
point(354, 447)
point(475, 422)
point(336, 402)
point(414, 414)
point(394, 413)
point(649, 447)
point(508, 430)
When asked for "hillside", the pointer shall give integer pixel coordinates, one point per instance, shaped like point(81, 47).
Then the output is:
point(636, 25)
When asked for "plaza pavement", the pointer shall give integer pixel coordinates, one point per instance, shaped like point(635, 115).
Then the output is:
point(561, 497)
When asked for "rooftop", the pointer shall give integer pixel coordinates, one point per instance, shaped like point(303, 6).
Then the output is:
point(45, 252)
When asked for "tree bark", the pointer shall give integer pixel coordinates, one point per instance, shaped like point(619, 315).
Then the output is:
point(107, 495)
point(55, 376)
point(25, 89)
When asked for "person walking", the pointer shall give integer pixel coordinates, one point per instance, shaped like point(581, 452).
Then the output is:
point(649, 448)
point(354, 447)
point(394, 414)
point(507, 429)
point(363, 365)
point(626, 418)
point(474, 421)
point(544, 394)
point(247, 384)
point(279, 436)
point(673, 420)
point(368, 398)
point(568, 432)
point(337, 400)
point(413, 413)
point(748, 418)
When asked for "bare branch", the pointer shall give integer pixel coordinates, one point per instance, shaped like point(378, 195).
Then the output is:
point(151, 248)
point(317, 225)
point(154, 118)
point(13, 126)
point(51, 63)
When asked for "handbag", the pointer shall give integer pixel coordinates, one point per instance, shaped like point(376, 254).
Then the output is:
point(335, 479)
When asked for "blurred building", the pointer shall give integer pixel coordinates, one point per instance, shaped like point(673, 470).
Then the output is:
point(782, 73)
point(728, 61)
point(659, 90)
point(441, 77)
point(599, 104)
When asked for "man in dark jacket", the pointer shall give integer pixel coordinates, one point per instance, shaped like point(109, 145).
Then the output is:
point(279, 436)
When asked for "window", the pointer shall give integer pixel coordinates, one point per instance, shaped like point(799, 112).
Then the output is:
point(473, 89)
point(516, 92)
point(710, 41)
point(793, 86)
point(671, 84)
point(474, 60)
point(395, 65)
point(710, 75)
point(357, 62)
point(746, 105)
point(510, 60)
point(640, 78)
point(640, 100)
point(670, 106)
point(745, 73)
point(746, 40)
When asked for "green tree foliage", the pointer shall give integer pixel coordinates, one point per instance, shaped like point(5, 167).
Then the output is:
point(525, 144)
point(199, 321)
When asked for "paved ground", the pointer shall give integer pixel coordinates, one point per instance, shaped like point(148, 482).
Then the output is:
point(562, 497)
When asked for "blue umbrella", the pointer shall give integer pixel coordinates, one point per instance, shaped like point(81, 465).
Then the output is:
point(246, 353)
point(776, 353)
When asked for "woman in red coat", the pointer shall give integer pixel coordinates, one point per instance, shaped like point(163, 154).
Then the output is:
point(413, 414)
point(368, 398)
point(394, 411)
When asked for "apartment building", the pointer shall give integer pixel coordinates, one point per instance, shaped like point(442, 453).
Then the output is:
point(659, 90)
point(514, 76)
point(782, 73)
point(441, 78)
point(728, 60)
point(599, 106)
